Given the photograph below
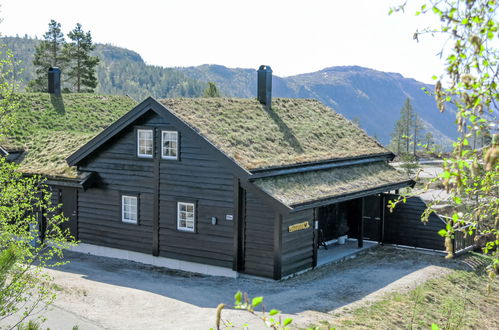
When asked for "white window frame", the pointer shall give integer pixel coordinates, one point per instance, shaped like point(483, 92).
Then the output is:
point(124, 217)
point(179, 219)
point(163, 155)
point(139, 154)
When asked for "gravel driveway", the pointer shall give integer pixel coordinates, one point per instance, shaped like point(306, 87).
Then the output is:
point(105, 293)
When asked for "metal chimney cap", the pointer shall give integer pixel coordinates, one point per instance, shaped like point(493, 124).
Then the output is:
point(265, 67)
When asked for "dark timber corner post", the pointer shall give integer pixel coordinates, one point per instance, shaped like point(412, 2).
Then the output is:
point(155, 216)
point(360, 240)
point(277, 246)
point(238, 222)
point(264, 84)
point(315, 222)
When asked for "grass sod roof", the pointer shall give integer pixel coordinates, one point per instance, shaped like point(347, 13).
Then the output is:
point(294, 131)
point(300, 188)
point(50, 128)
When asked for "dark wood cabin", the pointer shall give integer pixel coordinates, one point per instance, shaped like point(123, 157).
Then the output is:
point(248, 185)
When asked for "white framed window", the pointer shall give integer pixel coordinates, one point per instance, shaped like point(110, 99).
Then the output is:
point(185, 216)
point(145, 143)
point(169, 144)
point(129, 209)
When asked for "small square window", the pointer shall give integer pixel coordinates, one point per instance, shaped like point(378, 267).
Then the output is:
point(145, 143)
point(169, 144)
point(129, 209)
point(185, 216)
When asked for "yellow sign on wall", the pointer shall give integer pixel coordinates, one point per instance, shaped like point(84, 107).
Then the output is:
point(299, 226)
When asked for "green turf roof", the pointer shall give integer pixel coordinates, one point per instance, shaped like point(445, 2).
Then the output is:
point(301, 188)
point(49, 129)
point(294, 131)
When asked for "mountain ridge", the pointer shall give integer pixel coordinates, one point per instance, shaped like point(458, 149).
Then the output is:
point(371, 97)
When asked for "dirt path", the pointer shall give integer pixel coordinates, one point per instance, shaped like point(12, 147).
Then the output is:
point(114, 294)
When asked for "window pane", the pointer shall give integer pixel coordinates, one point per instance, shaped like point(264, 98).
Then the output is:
point(185, 216)
point(145, 142)
point(129, 208)
point(169, 144)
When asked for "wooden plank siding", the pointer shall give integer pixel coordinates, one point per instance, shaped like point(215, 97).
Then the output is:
point(259, 224)
point(404, 226)
point(195, 178)
point(298, 246)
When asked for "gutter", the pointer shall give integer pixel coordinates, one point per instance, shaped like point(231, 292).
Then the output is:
point(257, 174)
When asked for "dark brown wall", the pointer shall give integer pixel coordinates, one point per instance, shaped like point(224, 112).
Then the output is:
point(196, 177)
point(258, 237)
point(297, 246)
point(404, 226)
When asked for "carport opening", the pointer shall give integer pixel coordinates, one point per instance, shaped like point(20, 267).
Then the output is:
point(357, 219)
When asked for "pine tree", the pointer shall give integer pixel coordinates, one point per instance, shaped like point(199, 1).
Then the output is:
point(211, 90)
point(49, 53)
point(428, 141)
point(81, 68)
point(406, 129)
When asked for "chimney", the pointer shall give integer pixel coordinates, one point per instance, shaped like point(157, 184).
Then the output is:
point(55, 81)
point(265, 85)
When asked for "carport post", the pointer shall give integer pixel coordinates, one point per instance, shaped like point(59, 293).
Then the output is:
point(315, 238)
point(360, 239)
point(382, 208)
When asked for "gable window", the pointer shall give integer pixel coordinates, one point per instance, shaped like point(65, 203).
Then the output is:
point(129, 209)
point(145, 143)
point(185, 217)
point(169, 145)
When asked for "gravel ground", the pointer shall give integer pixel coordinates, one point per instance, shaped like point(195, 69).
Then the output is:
point(105, 293)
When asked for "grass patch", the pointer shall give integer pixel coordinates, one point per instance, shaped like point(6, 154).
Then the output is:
point(50, 128)
point(460, 300)
point(303, 187)
point(293, 131)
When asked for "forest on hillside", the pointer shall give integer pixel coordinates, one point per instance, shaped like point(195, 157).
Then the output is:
point(120, 71)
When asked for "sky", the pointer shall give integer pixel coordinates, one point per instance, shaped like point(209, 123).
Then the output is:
point(291, 36)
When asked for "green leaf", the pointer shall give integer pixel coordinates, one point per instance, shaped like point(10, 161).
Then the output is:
point(445, 174)
point(238, 297)
point(274, 312)
point(442, 232)
point(434, 327)
point(434, 77)
point(256, 301)
point(287, 321)
point(465, 142)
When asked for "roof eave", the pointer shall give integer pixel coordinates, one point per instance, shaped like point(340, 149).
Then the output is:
point(83, 181)
point(354, 195)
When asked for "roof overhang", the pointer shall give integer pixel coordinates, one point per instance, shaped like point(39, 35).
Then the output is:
point(334, 184)
point(354, 195)
point(83, 181)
